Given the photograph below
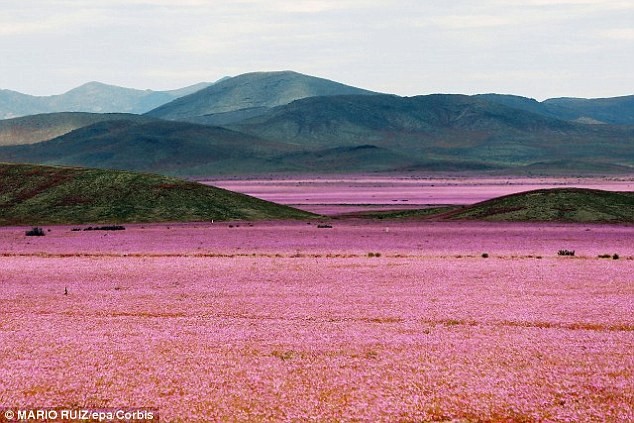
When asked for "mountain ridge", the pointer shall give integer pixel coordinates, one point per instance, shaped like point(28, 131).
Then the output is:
point(284, 121)
point(609, 110)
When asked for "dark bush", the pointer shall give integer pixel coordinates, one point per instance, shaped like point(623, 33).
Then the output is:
point(615, 257)
point(607, 256)
point(485, 255)
point(566, 252)
point(106, 228)
point(324, 226)
point(35, 232)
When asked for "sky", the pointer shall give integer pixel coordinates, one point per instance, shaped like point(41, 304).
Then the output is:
point(534, 48)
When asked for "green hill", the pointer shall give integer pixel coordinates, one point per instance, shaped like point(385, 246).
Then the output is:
point(557, 205)
point(37, 195)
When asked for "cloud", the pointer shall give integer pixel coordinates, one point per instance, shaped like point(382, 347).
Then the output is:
point(470, 21)
point(406, 46)
point(604, 4)
point(618, 34)
point(41, 22)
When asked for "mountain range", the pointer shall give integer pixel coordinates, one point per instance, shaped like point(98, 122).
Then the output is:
point(268, 122)
point(93, 97)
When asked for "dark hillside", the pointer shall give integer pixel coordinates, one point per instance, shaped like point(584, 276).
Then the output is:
point(37, 128)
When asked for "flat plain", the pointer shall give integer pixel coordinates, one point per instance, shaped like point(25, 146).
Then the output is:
point(366, 320)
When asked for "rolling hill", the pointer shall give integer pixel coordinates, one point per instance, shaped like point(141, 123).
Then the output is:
point(93, 97)
point(37, 195)
point(175, 148)
point(42, 127)
point(615, 110)
point(248, 95)
point(556, 205)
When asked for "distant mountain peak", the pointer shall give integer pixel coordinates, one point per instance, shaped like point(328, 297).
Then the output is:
point(92, 97)
point(249, 92)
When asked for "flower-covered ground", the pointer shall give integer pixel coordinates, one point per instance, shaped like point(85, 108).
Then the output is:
point(285, 321)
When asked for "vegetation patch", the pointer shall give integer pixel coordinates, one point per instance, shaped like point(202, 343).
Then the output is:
point(35, 232)
point(556, 205)
point(38, 195)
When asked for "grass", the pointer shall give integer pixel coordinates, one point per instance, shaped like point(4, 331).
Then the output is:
point(37, 195)
point(404, 214)
point(544, 205)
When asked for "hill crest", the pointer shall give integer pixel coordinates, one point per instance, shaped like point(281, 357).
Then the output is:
point(553, 205)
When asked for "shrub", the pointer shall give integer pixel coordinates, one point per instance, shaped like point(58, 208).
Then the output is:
point(566, 252)
point(485, 255)
point(105, 228)
point(35, 232)
point(606, 256)
point(615, 257)
point(324, 226)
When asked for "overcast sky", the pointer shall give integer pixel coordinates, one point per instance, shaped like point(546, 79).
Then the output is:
point(534, 48)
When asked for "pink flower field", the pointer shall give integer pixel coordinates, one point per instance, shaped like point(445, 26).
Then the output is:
point(362, 322)
point(333, 195)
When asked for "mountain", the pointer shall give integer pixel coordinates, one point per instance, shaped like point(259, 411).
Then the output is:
point(93, 97)
point(42, 127)
point(442, 129)
point(557, 204)
point(615, 110)
point(248, 95)
point(37, 195)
